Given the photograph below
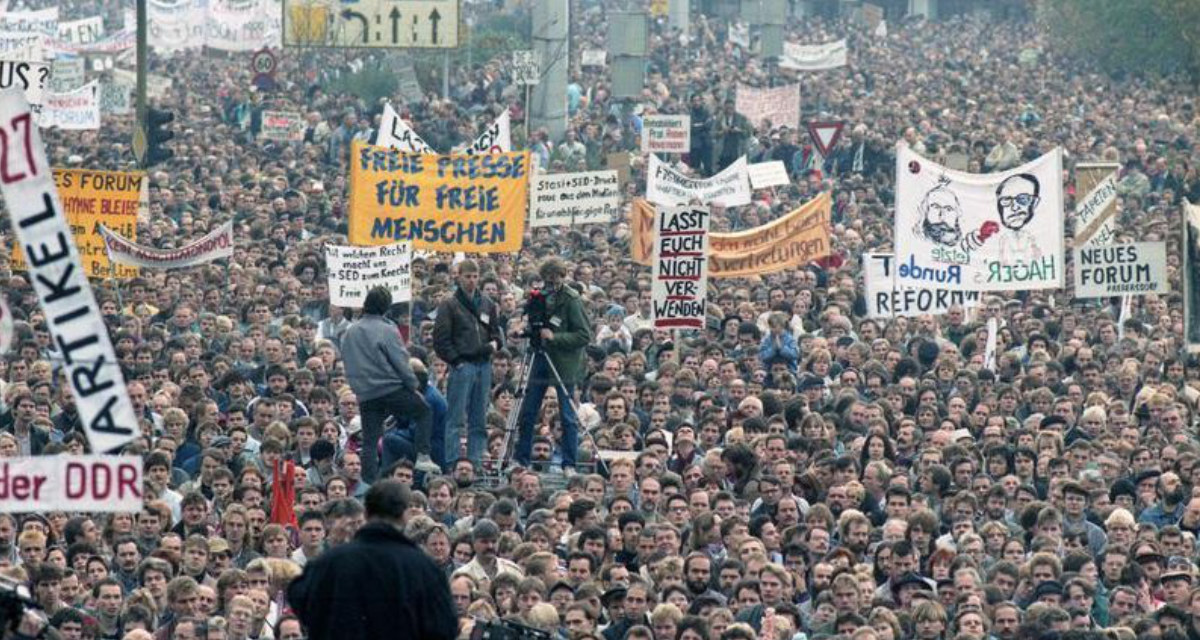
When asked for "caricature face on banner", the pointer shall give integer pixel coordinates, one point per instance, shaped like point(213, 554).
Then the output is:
point(980, 232)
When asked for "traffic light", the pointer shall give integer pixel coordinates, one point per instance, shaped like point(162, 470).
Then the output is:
point(156, 120)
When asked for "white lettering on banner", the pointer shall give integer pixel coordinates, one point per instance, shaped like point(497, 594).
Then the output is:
point(666, 134)
point(353, 271)
point(779, 105)
point(813, 57)
point(84, 483)
point(680, 282)
point(666, 186)
point(217, 244)
point(56, 271)
point(575, 198)
point(981, 232)
point(283, 125)
point(886, 300)
point(77, 32)
point(29, 77)
point(72, 111)
point(1121, 269)
point(768, 174)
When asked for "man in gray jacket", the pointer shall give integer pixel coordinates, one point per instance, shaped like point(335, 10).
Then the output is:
point(378, 371)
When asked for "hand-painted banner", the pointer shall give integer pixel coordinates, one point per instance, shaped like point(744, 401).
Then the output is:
point(243, 25)
point(779, 105)
point(1190, 253)
point(29, 77)
point(43, 22)
point(91, 199)
point(813, 57)
point(72, 484)
point(886, 300)
point(284, 126)
point(1095, 211)
point(1135, 268)
point(666, 134)
point(793, 240)
point(76, 110)
point(982, 232)
point(57, 274)
point(395, 133)
point(680, 282)
point(474, 204)
point(215, 245)
point(564, 199)
point(497, 138)
point(666, 186)
point(67, 74)
point(353, 271)
point(81, 32)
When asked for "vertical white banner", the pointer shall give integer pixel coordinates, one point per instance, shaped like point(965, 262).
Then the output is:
point(680, 284)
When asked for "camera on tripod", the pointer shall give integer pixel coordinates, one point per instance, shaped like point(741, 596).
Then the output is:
point(537, 317)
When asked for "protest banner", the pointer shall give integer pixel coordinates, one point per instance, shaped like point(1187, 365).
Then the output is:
point(6, 326)
point(666, 134)
point(30, 77)
point(593, 58)
point(767, 174)
point(116, 99)
point(778, 105)
point(67, 74)
point(215, 245)
point(285, 126)
point(1134, 268)
point(680, 280)
point(575, 198)
point(666, 186)
point(81, 32)
point(353, 271)
point(622, 163)
point(813, 57)
point(242, 25)
point(497, 138)
point(57, 274)
point(989, 349)
point(1095, 211)
point(1190, 254)
point(75, 110)
point(22, 45)
point(526, 68)
point(474, 204)
point(43, 22)
point(175, 25)
point(396, 134)
point(91, 199)
point(886, 300)
point(983, 232)
point(70, 483)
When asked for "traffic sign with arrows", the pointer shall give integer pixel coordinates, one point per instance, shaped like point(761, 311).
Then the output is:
point(393, 24)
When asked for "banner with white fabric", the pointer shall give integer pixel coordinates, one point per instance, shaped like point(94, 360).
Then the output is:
point(779, 105)
point(44, 21)
point(242, 25)
point(395, 133)
point(215, 245)
point(1095, 211)
point(666, 186)
point(813, 57)
point(497, 138)
point(76, 110)
point(85, 31)
point(353, 271)
point(70, 483)
point(29, 77)
point(886, 300)
point(175, 25)
point(982, 232)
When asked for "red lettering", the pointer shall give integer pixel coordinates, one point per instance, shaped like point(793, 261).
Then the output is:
point(20, 488)
point(102, 482)
point(76, 480)
point(128, 479)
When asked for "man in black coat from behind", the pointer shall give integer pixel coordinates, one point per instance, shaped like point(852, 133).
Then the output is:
point(380, 585)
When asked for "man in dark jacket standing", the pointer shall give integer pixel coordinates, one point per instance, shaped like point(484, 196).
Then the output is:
point(380, 585)
point(378, 371)
point(562, 343)
point(465, 335)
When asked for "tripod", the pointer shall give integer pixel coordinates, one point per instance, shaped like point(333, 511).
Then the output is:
point(511, 425)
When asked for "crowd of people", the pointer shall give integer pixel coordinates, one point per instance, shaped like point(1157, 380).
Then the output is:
point(796, 470)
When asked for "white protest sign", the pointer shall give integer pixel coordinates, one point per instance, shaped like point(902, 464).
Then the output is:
point(983, 232)
point(6, 326)
point(73, 110)
point(22, 45)
point(768, 174)
point(813, 57)
point(286, 126)
point(30, 77)
point(574, 198)
point(215, 245)
point(395, 133)
point(666, 134)
point(680, 280)
point(885, 300)
point(116, 98)
point(57, 274)
point(1121, 269)
point(43, 22)
point(84, 31)
point(67, 74)
point(1095, 212)
point(353, 271)
point(779, 105)
point(526, 69)
point(84, 483)
point(593, 58)
point(989, 350)
point(497, 138)
point(666, 186)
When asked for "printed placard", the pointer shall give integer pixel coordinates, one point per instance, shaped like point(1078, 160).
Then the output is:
point(285, 126)
point(680, 284)
point(354, 271)
point(886, 300)
point(1135, 268)
point(564, 199)
point(666, 134)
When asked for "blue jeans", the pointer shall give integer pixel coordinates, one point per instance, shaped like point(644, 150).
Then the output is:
point(467, 393)
point(541, 378)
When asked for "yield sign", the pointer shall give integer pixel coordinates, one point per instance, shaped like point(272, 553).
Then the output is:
point(825, 135)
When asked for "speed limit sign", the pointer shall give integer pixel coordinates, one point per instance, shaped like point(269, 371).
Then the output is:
point(263, 62)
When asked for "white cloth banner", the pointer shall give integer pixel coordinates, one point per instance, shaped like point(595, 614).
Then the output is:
point(813, 57)
point(679, 288)
point(215, 245)
point(497, 138)
point(56, 271)
point(79, 32)
point(666, 186)
point(22, 45)
point(886, 300)
point(395, 133)
point(242, 25)
point(175, 25)
point(574, 198)
point(29, 77)
point(1135, 268)
point(75, 110)
point(44, 22)
point(982, 232)
point(353, 271)
point(779, 105)
point(85, 483)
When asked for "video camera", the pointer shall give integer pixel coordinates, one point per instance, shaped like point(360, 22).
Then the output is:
point(537, 316)
point(15, 600)
point(506, 630)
